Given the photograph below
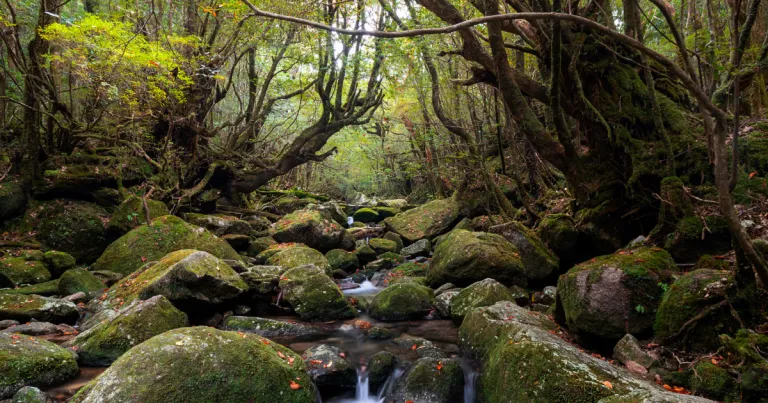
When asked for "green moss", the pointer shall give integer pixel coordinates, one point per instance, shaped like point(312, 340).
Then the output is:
point(130, 214)
point(17, 271)
point(77, 228)
point(713, 382)
point(385, 212)
point(31, 361)
point(480, 294)
point(58, 262)
point(290, 258)
point(412, 269)
point(46, 289)
point(313, 295)
point(426, 221)
point(402, 301)
point(13, 201)
point(540, 262)
point(80, 280)
point(259, 245)
point(366, 215)
point(26, 307)
point(380, 245)
point(310, 227)
point(343, 260)
point(396, 239)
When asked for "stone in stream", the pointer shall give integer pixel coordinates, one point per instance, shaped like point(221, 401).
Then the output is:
point(365, 254)
point(366, 215)
point(219, 224)
point(422, 346)
point(443, 288)
point(29, 361)
point(46, 289)
point(24, 308)
point(342, 260)
point(314, 296)
point(311, 228)
point(58, 262)
point(17, 271)
point(381, 245)
point(30, 394)
point(6, 323)
point(266, 327)
point(263, 279)
point(380, 367)
point(201, 365)
point(422, 247)
point(38, 329)
point(481, 293)
point(80, 280)
point(443, 302)
point(396, 239)
point(426, 221)
point(540, 262)
point(293, 257)
point(402, 301)
point(329, 367)
point(430, 380)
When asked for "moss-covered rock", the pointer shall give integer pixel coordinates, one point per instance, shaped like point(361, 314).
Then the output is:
point(290, 258)
point(385, 212)
point(164, 235)
point(13, 201)
point(184, 276)
point(713, 382)
point(342, 260)
point(266, 327)
point(616, 294)
point(201, 364)
point(366, 215)
point(141, 320)
point(27, 307)
point(130, 214)
point(17, 271)
point(686, 244)
point(58, 262)
point(313, 295)
point(422, 247)
point(466, 257)
point(559, 233)
point(80, 280)
point(28, 361)
point(443, 302)
point(219, 224)
point(329, 367)
point(482, 293)
point(30, 394)
point(430, 380)
point(380, 245)
point(365, 254)
point(289, 204)
point(46, 289)
point(262, 279)
point(539, 261)
point(396, 239)
point(412, 269)
point(259, 245)
point(426, 221)
point(685, 299)
point(75, 227)
point(380, 367)
point(402, 301)
point(311, 228)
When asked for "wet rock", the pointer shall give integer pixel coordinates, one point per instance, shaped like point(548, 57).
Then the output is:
point(342, 260)
point(422, 247)
point(366, 215)
point(401, 204)
point(263, 279)
point(28, 361)
point(402, 301)
point(148, 243)
point(426, 221)
point(74, 227)
point(58, 262)
point(293, 257)
point(365, 254)
point(422, 347)
point(259, 245)
point(381, 246)
point(443, 302)
point(482, 293)
point(30, 394)
point(141, 320)
point(46, 289)
point(200, 364)
point(130, 214)
point(24, 308)
point(107, 277)
point(520, 295)
point(35, 329)
point(269, 327)
point(13, 200)
point(559, 233)
point(443, 288)
point(80, 280)
point(628, 349)
point(380, 368)
point(396, 239)
point(5, 324)
point(77, 297)
point(386, 212)
point(219, 224)
point(430, 380)
point(466, 257)
point(329, 367)
point(539, 261)
point(311, 228)
point(313, 295)
point(17, 271)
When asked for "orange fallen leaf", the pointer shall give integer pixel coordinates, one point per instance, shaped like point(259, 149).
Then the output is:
point(752, 174)
point(414, 347)
point(280, 354)
point(608, 384)
point(439, 365)
point(295, 385)
point(667, 387)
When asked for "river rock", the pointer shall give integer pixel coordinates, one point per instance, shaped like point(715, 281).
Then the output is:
point(75, 227)
point(17, 271)
point(402, 301)
point(80, 280)
point(380, 368)
point(29, 361)
point(201, 364)
point(130, 214)
point(628, 349)
point(465, 257)
point(342, 260)
point(426, 221)
point(443, 302)
point(13, 200)
point(482, 293)
point(313, 295)
point(58, 262)
point(366, 215)
point(293, 257)
point(311, 228)
point(219, 224)
point(259, 245)
point(28, 307)
point(431, 380)
point(37, 329)
point(263, 279)
point(329, 367)
point(365, 254)
point(539, 261)
point(30, 394)
point(269, 327)
point(381, 246)
point(422, 247)
point(46, 289)
point(141, 320)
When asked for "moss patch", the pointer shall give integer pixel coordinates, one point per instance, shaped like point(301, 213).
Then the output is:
point(30, 361)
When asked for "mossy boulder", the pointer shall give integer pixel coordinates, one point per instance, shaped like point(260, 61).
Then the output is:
point(402, 301)
point(141, 320)
point(426, 221)
point(17, 271)
point(396, 239)
point(713, 382)
point(465, 257)
point(130, 214)
point(380, 367)
point(80, 280)
point(329, 368)
point(276, 248)
point(365, 254)
point(482, 293)
point(687, 297)
point(75, 227)
point(266, 327)
point(27, 307)
point(380, 245)
point(289, 204)
point(29, 361)
point(262, 279)
point(259, 245)
point(559, 233)
point(430, 380)
point(58, 262)
point(46, 289)
point(184, 277)
point(366, 215)
point(411, 269)
point(422, 247)
point(539, 261)
point(290, 258)
point(13, 200)
point(219, 224)
point(690, 239)
point(385, 212)
point(30, 394)
point(400, 204)
point(443, 302)
point(342, 260)
point(202, 364)
point(313, 295)
point(164, 235)
point(310, 227)
point(612, 295)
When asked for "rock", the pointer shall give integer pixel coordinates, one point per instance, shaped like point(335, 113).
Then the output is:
point(35, 329)
point(396, 239)
point(443, 302)
point(13, 200)
point(402, 301)
point(686, 245)
point(332, 210)
point(263, 279)
point(311, 228)
point(107, 277)
point(380, 368)
point(58, 262)
point(141, 320)
point(219, 224)
point(329, 367)
point(628, 349)
point(426, 221)
point(28, 361)
point(130, 214)
point(422, 247)
point(342, 260)
point(6, 323)
point(46, 289)
point(443, 288)
point(201, 364)
point(74, 227)
point(559, 233)
point(30, 394)
point(411, 269)
point(291, 258)
point(268, 327)
point(77, 297)
point(482, 293)
point(365, 254)
point(185, 276)
point(381, 246)
point(313, 295)
point(466, 257)
point(520, 295)
point(259, 245)
point(238, 242)
point(547, 295)
point(386, 212)
point(688, 296)
point(612, 295)
point(27, 307)
point(17, 271)
point(401, 204)
point(430, 380)
point(540, 263)
point(424, 347)
point(80, 280)
point(713, 382)
point(289, 204)
point(148, 243)
point(366, 215)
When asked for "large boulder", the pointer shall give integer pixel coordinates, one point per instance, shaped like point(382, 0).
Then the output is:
point(422, 247)
point(202, 364)
point(75, 227)
point(28, 307)
point(380, 368)
point(310, 227)
point(130, 214)
point(465, 257)
point(540, 262)
point(266, 327)
point(17, 271)
point(381, 245)
point(219, 224)
point(339, 259)
point(262, 279)
point(313, 295)
point(164, 235)
point(13, 201)
point(293, 257)
point(28, 361)
point(431, 380)
point(559, 233)
point(80, 280)
point(402, 301)
point(58, 262)
point(426, 221)
point(612, 295)
point(329, 367)
point(141, 320)
point(366, 215)
point(184, 277)
point(482, 293)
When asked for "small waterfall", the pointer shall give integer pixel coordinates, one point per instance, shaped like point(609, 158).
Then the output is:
point(386, 389)
point(470, 379)
point(362, 391)
point(366, 287)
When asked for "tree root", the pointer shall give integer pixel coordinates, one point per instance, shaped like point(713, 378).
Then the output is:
point(706, 311)
point(187, 196)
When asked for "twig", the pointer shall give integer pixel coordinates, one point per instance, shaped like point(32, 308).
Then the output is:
point(6, 172)
point(144, 203)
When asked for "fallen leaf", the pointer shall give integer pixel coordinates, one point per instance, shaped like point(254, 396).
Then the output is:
point(295, 385)
point(608, 384)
